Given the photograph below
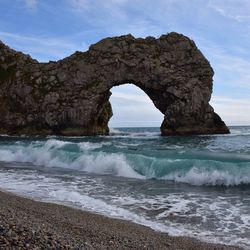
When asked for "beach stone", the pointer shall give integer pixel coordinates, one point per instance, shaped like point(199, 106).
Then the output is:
point(71, 96)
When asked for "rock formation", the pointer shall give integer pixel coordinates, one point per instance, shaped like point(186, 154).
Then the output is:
point(71, 96)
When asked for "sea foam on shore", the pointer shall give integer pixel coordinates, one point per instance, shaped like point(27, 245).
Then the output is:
point(193, 186)
point(28, 224)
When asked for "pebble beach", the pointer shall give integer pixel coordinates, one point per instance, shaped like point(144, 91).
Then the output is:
point(29, 224)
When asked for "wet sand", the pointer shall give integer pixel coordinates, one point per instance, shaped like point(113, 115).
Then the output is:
point(29, 224)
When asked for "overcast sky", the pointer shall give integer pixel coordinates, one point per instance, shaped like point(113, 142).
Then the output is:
point(53, 29)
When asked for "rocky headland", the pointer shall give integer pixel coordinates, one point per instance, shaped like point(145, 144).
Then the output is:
point(71, 96)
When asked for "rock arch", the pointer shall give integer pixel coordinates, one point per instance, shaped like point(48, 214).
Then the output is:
point(71, 96)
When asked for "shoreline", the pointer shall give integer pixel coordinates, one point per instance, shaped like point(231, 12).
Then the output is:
point(30, 224)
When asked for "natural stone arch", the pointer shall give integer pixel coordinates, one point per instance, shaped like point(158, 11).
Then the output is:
point(71, 96)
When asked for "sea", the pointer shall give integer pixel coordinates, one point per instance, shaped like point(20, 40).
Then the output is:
point(197, 186)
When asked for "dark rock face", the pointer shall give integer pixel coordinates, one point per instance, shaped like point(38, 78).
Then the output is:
point(71, 96)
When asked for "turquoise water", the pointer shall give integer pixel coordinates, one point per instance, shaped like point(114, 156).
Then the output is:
point(195, 185)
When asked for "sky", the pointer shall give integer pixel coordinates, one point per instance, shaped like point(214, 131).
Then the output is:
point(53, 29)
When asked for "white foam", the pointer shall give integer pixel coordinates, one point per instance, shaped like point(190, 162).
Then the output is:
point(114, 211)
point(113, 164)
point(6, 155)
point(53, 190)
point(53, 143)
point(129, 134)
point(90, 194)
point(129, 144)
point(99, 163)
point(205, 176)
point(52, 153)
point(86, 146)
point(115, 131)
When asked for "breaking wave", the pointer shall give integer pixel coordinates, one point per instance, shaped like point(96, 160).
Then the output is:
point(101, 158)
point(157, 184)
point(55, 153)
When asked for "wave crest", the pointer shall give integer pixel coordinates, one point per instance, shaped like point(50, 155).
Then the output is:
point(90, 157)
point(210, 177)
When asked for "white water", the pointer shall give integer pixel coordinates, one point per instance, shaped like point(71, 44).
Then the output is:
point(200, 185)
point(82, 157)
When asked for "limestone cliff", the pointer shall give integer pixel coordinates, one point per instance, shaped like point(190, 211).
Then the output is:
point(71, 96)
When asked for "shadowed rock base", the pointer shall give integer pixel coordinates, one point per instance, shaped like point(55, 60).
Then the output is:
point(188, 126)
point(71, 96)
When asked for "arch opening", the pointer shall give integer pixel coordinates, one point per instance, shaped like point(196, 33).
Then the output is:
point(132, 107)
